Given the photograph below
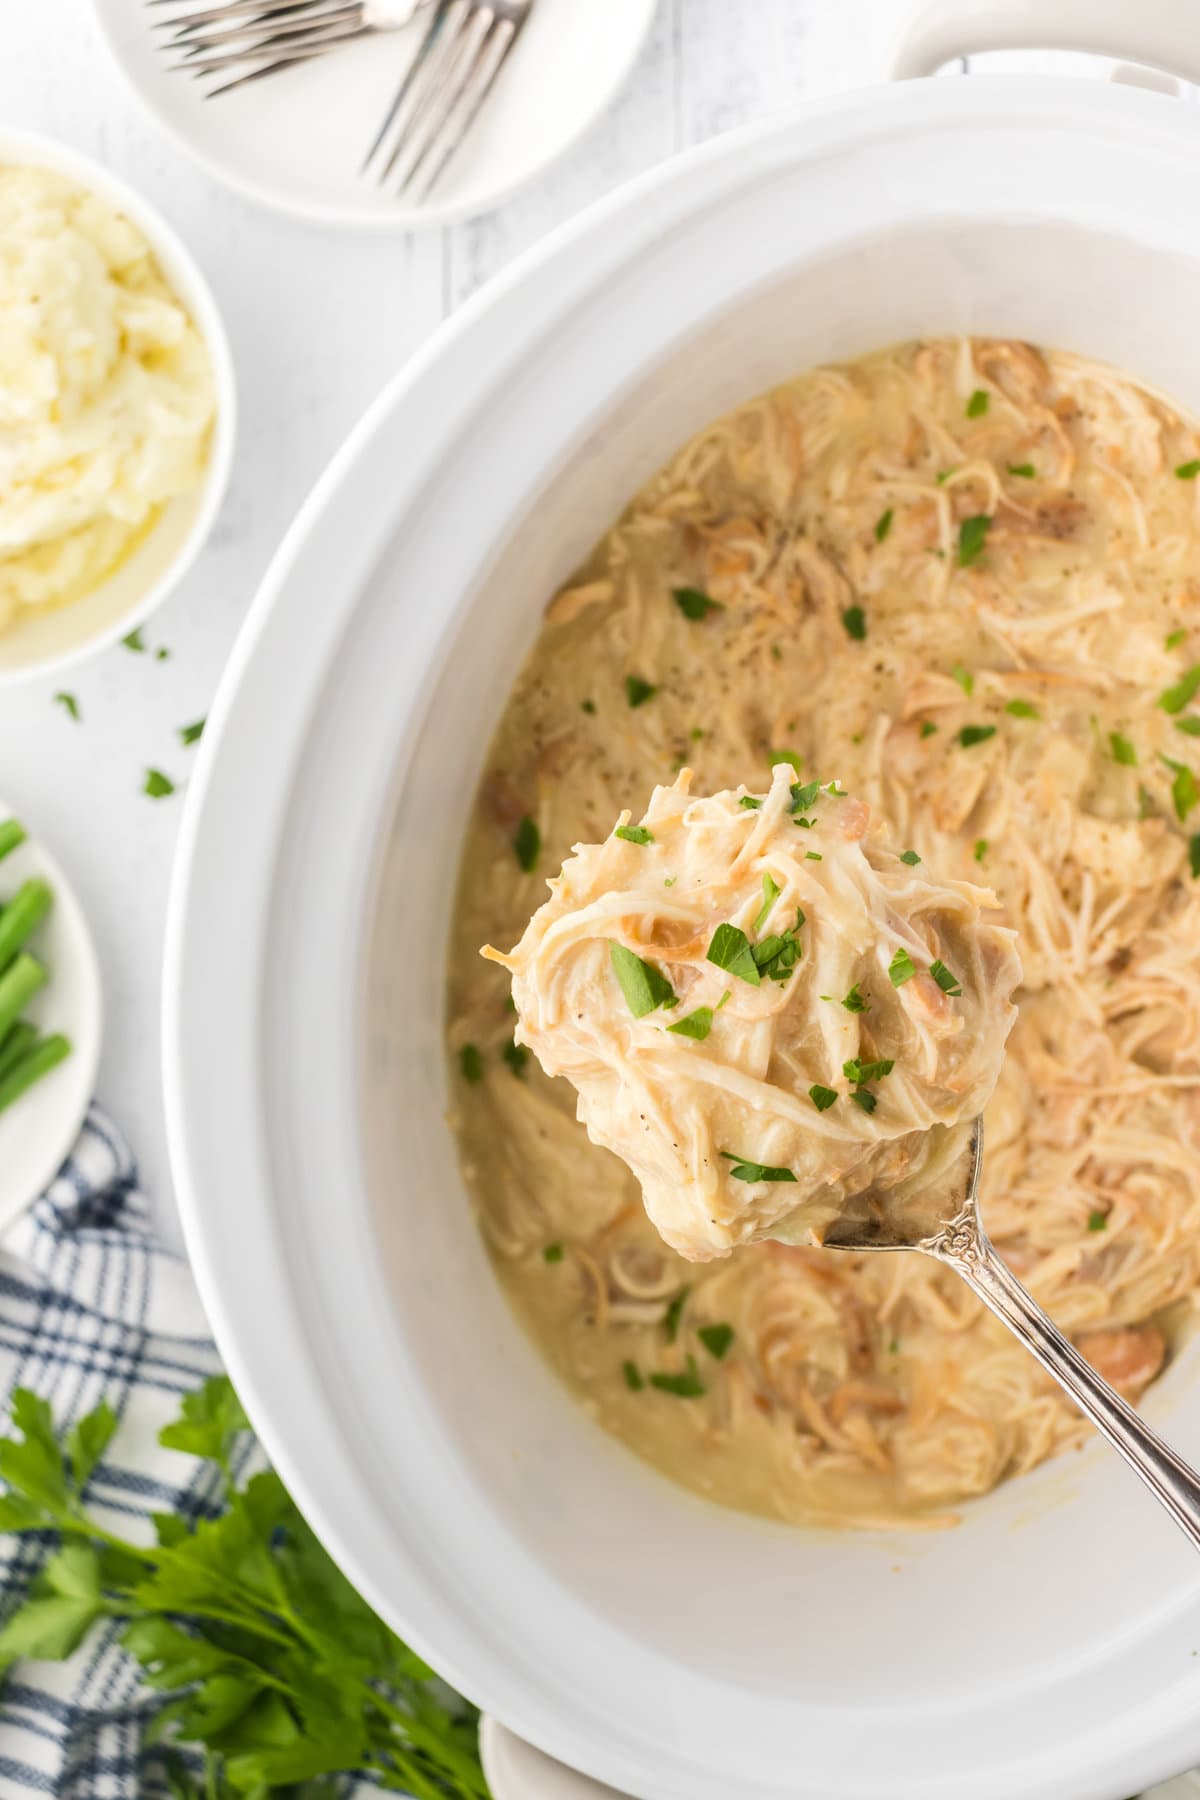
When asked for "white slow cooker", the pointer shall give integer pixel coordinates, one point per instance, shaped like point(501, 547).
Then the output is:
point(1050, 1647)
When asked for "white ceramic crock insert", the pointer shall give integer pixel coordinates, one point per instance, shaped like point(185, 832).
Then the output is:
point(1048, 1648)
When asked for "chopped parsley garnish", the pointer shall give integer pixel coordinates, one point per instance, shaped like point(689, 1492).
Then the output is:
point(1173, 639)
point(964, 678)
point(785, 756)
point(157, 785)
point(778, 954)
point(752, 1171)
point(1022, 709)
point(854, 1001)
point(978, 404)
point(674, 1313)
point(191, 734)
point(694, 603)
point(771, 891)
point(470, 1061)
point(1194, 854)
point(1122, 750)
point(803, 795)
point(69, 704)
point(975, 734)
point(1025, 470)
point(633, 1377)
point(821, 1097)
point(972, 536)
point(670, 880)
point(855, 621)
point(553, 1253)
point(135, 641)
point(716, 1339)
point(813, 856)
point(945, 978)
point(696, 1024)
point(751, 802)
point(587, 706)
point(1145, 802)
point(910, 857)
point(862, 1072)
point(644, 986)
point(1189, 726)
point(865, 1098)
point(981, 849)
point(516, 1056)
point(1184, 789)
point(730, 949)
point(637, 691)
point(883, 524)
point(943, 475)
point(634, 834)
point(1097, 1221)
point(901, 969)
point(687, 1386)
point(928, 728)
point(695, 734)
point(527, 844)
point(162, 654)
point(1188, 471)
point(1174, 699)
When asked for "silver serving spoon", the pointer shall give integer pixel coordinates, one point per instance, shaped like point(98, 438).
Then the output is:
point(945, 1224)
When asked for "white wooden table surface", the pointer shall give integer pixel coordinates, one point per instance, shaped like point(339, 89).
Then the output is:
point(319, 320)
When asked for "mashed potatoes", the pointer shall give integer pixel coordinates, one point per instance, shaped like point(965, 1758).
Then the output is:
point(106, 392)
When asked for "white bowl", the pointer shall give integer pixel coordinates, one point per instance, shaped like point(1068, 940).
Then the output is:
point(39, 643)
point(1047, 1648)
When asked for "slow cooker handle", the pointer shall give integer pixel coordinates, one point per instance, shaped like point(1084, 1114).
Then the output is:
point(1162, 34)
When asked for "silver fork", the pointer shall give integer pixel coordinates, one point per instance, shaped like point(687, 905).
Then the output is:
point(441, 95)
point(944, 1223)
point(253, 38)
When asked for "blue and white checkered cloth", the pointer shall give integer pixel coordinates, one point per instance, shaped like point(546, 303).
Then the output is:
point(92, 1308)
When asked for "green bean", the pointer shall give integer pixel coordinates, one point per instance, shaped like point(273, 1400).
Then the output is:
point(11, 835)
point(20, 1038)
point(45, 1055)
point(20, 918)
point(18, 985)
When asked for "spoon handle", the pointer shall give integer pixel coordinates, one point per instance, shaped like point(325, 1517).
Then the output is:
point(968, 1250)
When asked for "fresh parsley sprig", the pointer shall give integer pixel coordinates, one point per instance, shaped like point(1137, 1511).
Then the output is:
point(274, 1665)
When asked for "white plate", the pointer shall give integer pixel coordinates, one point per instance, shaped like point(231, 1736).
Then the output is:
point(295, 141)
point(37, 1133)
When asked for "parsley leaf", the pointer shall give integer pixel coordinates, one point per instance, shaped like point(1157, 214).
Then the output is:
point(1188, 471)
point(978, 404)
point(1022, 709)
point(135, 641)
point(1174, 699)
point(972, 536)
point(553, 1253)
point(1194, 854)
point(861, 1072)
point(633, 1377)
point(855, 621)
point(901, 969)
point(1097, 1221)
point(771, 891)
point(854, 1001)
point(730, 949)
point(883, 524)
point(674, 1312)
point(470, 1061)
point(1025, 470)
point(752, 1171)
point(716, 1339)
point(864, 1098)
point(975, 734)
point(980, 850)
point(803, 795)
point(527, 844)
point(696, 1024)
point(910, 857)
point(964, 678)
point(1173, 639)
point(821, 1097)
point(634, 834)
point(1190, 726)
point(751, 802)
point(1184, 789)
point(928, 728)
point(644, 986)
point(191, 734)
point(694, 604)
point(948, 982)
point(637, 691)
point(687, 1386)
point(516, 1056)
point(69, 704)
point(157, 785)
point(791, 757)
point(1122, 750)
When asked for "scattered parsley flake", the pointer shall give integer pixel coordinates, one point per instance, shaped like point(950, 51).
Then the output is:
point(674, 1313)
point(470, 1061)
point(910, 857)
point(978, 404)
point(1173, 639)
point(777, 653)
point(1190, 726)
point(791, 757)
point(69, 704)
point(1194, 854)
point(634, 834)
point(1184, 789)
point(162, 654)
point(975, 734)
point(696, 1024)
point(803, 795)
point(644, 986)
point(1097, 1221)
point(752, 1171)
point(1174, 699)
point(1188, 471)
point(637, 691)
point(1025, 470)
point(883, 524)
point(946, 980)
point(694, 603)
point(135, 641)
point(716, 1339)
point(821, 1097)
point(771, 891)
point(854, 1001)
point(865, 1098)
point(516, 1056)
point(553, 1253)
point(943, 475)
point(901, 969)
point(854, 619)
point(587, 706)
point(964, 678)
point(813, 856)
point(695, 734)
point(980, 850)
point(527, 844)
point(972, 536)
point(633, 1377)
point(860, 1073)
point(191, 734)
point(751, 802)
point(1022, 709)
point(730, 950)
point(687, 1386)
point(1122, 750)
point(157, 785)
point(928, 728)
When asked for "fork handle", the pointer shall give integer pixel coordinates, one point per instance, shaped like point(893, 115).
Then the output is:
point(1173, 1482)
